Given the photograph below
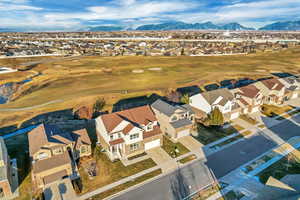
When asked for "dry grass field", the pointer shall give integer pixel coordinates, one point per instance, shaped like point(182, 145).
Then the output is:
point(77, 81)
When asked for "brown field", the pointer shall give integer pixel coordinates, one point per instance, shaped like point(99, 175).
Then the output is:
point(78, 81)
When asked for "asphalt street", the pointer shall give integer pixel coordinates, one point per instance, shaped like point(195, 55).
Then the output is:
point(176, 185)
point(220, 163)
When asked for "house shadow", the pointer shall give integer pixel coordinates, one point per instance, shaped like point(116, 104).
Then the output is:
point(129, 103)
point(210, 87)
point(50, 117)
point(283, 75)
point(189, 90)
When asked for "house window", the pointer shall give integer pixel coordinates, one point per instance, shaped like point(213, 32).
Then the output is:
point(134, 136)
point(83, 149)
point(134, 146)
point(57, 151)
point(111, 137)
point(174, 118)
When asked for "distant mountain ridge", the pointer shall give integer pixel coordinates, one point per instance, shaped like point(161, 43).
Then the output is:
point(105, 28)
point(282, 26)
point(196, 26)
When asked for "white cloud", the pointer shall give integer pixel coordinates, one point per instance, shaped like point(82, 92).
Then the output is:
point(133, 10)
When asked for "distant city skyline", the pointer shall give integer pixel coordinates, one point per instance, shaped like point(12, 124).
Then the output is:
point(78, 14)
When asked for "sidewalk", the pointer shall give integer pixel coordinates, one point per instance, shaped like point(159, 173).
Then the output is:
point(112, 185)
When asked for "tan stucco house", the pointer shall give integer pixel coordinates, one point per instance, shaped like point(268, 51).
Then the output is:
point(53, 153)
point(273, 90)
point(249, 98)
point(129, 132)
point(292, 85)
point(175, 121)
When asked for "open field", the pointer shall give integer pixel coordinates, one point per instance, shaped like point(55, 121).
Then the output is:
point(77, 81)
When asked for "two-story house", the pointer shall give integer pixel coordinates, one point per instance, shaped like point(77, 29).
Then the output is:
point(292, 85)
point(129, 132)
point(175, 120)
point(249, 98)
point(222, 98)
point(53, 153)
point(273, 90)
point(5, 172)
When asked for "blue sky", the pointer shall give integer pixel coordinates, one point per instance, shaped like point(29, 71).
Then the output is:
point(78, 14)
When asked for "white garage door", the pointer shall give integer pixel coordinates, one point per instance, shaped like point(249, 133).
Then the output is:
point(152, 144)
point(183, 133)
point(234, 115)
point(255, 109)
point(295, 95)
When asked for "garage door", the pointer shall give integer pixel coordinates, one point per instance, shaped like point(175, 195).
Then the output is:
point(255, 109)
point(234, 115)
point(295, 95)
point(152, 144)
point(183, 133)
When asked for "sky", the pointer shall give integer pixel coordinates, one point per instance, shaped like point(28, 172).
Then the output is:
point(79, 14)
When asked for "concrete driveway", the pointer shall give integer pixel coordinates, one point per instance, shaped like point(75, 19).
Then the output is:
point(162, 159)
point(193, 145)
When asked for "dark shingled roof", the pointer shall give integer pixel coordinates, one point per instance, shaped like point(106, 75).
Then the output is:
point(169, 109)
point(181, 123)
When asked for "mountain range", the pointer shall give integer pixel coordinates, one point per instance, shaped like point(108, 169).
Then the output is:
point(279, 26)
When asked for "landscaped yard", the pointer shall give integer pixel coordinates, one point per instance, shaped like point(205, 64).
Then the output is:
point(211, 134)
point(248, 119)
point(188, 159)
point(204, 194)
point(289, 164)
point(126, 185)
point(170, 147)
point(273, 111)
point(110, 172)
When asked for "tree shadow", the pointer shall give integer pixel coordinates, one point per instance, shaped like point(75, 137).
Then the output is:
point(179, 186)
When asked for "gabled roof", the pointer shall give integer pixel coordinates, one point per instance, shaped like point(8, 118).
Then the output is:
point(135, 117)
point(52, 162)
point(273, 84)
point(169, 109)
point(213, 95)
point(249, 91)
point(81, 137)
point(45, 134)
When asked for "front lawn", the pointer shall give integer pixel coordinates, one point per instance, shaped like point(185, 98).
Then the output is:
point(209, 134)
point(289, 164)
point(110, 172)
point(273, 111)
point(248, 119)
point(170, 147)
point(188, 159)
